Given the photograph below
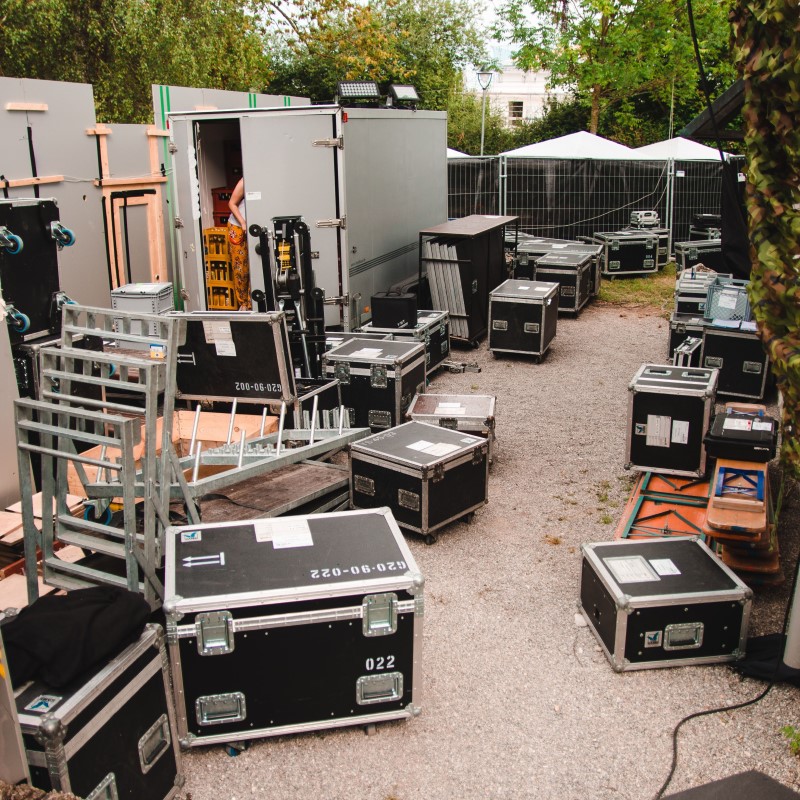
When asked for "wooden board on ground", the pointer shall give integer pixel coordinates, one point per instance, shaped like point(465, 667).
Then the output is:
point(276, 492)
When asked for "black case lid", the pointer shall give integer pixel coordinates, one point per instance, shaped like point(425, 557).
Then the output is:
point(418, 444)
point(283, 554)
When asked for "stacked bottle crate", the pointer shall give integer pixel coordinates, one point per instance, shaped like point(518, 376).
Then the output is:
point(219, 271)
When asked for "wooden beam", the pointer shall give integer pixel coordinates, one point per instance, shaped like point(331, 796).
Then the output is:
point(100, 130)
point(148, 179)
point(153, 131)
point(26, 106)
point(206, 108)
point(31, 181)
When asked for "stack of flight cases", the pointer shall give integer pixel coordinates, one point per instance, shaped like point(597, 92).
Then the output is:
point(572, 272)
point(432, 328)
point(523, 316)
point(378, 379)
point(293, 624)
point(669, 412)
point(110, 734)
point(427, 475)
point(628, 252)
point(648, 221)
point(663, 603)
point(705, 226)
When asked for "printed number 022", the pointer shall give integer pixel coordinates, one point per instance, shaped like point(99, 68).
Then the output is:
point(379, 663)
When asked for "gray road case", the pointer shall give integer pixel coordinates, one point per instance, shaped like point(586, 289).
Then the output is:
point(429, 476)
point(663, 603)
point(292, 624)
point(432, 328)
point(378, 379)
point(471, 413)
point(523, 316)
point(573, 274)
point(112, 734)
point(669, 411)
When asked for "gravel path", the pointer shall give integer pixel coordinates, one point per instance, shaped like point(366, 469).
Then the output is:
point(518, 700)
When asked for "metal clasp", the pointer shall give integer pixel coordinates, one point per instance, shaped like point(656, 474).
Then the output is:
point(214, 633)
point(378, 376)
point(383, 687)
point(217, 709)
point(154, 743)
point(106, 789)
point(341, 371)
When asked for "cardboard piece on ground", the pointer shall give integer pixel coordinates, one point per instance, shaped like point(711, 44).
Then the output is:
point(14, 591)
point(74, 502)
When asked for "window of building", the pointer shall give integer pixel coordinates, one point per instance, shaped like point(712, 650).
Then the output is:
point(515, 111)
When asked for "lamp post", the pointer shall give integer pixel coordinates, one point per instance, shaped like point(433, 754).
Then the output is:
point(484, 79)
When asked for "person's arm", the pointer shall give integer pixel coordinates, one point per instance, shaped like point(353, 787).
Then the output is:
point(236, 197)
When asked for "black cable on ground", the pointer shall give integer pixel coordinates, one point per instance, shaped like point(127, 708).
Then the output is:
point(772, 681)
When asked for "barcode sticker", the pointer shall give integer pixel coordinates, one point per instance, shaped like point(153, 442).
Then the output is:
point(630, 569)
point(658, 431)
point(737, 425)
point(680, 432)
point(664, 566)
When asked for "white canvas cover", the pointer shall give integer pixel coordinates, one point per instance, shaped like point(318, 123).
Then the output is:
point(456, 153)
point(679, 149)
point(574, 145)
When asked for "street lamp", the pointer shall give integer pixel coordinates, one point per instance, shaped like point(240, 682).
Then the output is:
point(484, 79)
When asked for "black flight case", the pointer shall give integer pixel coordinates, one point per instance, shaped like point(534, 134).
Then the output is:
point(523, 316)
point(292, 624)
point(573, 274)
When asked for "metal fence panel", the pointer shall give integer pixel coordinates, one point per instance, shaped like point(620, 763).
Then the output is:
point(473, 186)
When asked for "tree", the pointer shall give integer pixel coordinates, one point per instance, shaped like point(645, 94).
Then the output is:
point(464, 126)
point(122, 46)
point(613, 51)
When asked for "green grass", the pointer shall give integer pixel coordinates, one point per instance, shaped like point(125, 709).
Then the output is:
point(654, 291)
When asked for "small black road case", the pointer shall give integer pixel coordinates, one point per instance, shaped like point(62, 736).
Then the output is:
point(669, 411)
point(292, 624)
point(683, 327)
point(740, 357)
point(629, 252)
point(573, 274)
point(432, 328)
point(111, 734)
point(707, 252)
point(742, 436)
point(663, 603)
point(523, 316)
point(429, 476)
point(378, 379)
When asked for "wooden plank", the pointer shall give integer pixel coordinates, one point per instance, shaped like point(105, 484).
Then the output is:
point(144, 181)
point(100, 130)
point(21, 182)
point(153, 131)
point(26, 106)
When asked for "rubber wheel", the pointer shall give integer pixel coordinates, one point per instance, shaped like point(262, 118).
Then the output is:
point(469, 517)
point(103, 519)
point(15, 244)
point(430, 538)
point(21, 322)
point(69, 238)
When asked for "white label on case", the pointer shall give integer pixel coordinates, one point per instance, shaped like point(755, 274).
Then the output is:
point(680, 432)
point(219, 334)
point(658, 430)
point(441, 449)
point(252, 196)
point(449, 405)
point(420, 445)
point(737, 424)
point(445, 409)
point(367, 352)
point(283, 533)
point(761, 426)
point(43, 703)
point(191, 536)
point(664, 566)
point(523, 288)
point(727, 299)
point(630, 569)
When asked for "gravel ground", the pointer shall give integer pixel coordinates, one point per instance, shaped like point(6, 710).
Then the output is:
point(518, 699)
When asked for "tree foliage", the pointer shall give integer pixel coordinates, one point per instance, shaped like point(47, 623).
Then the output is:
point(612, 52)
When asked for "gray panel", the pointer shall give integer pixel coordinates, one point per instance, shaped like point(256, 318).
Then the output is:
point(61, 147)
point(285, 175)
point(395, 169)
point(9, 472)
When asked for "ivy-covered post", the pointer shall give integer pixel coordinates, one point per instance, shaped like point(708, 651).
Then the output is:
point(767, 51)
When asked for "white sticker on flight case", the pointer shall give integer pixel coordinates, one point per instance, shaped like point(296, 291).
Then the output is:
point(420, 445)
point(367, 352)
point(658, 430)
point(283, 533)
point(191, 536)
point(630, 569)
point(220, 335)
point(441, 449)
point(737, 424)
point(758, 425)
point(445, 409)
point(680, 432)
point(664, 566)
point(43, 703)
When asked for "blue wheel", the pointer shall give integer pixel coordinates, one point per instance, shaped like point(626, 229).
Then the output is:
point(14, 244)
point(67, 237)
point(21, 322)
point(103, 519)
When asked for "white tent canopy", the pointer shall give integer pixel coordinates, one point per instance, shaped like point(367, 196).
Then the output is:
point(574, 145)
point(456, 153)
point(679, 149)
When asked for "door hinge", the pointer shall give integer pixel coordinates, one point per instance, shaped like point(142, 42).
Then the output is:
point(332, 223)
point(336, 142)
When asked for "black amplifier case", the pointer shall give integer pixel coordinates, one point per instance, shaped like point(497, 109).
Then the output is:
point(663, 603)
point(428, 475)
point(293, 624)
point(742, 436)
point(432, 328)
point(742, 362)
point(523, 316)
point(573, 274)
point(378, 379)
point(707, 252)
point(111, 735)
point(631, 252)
point(669, 412)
